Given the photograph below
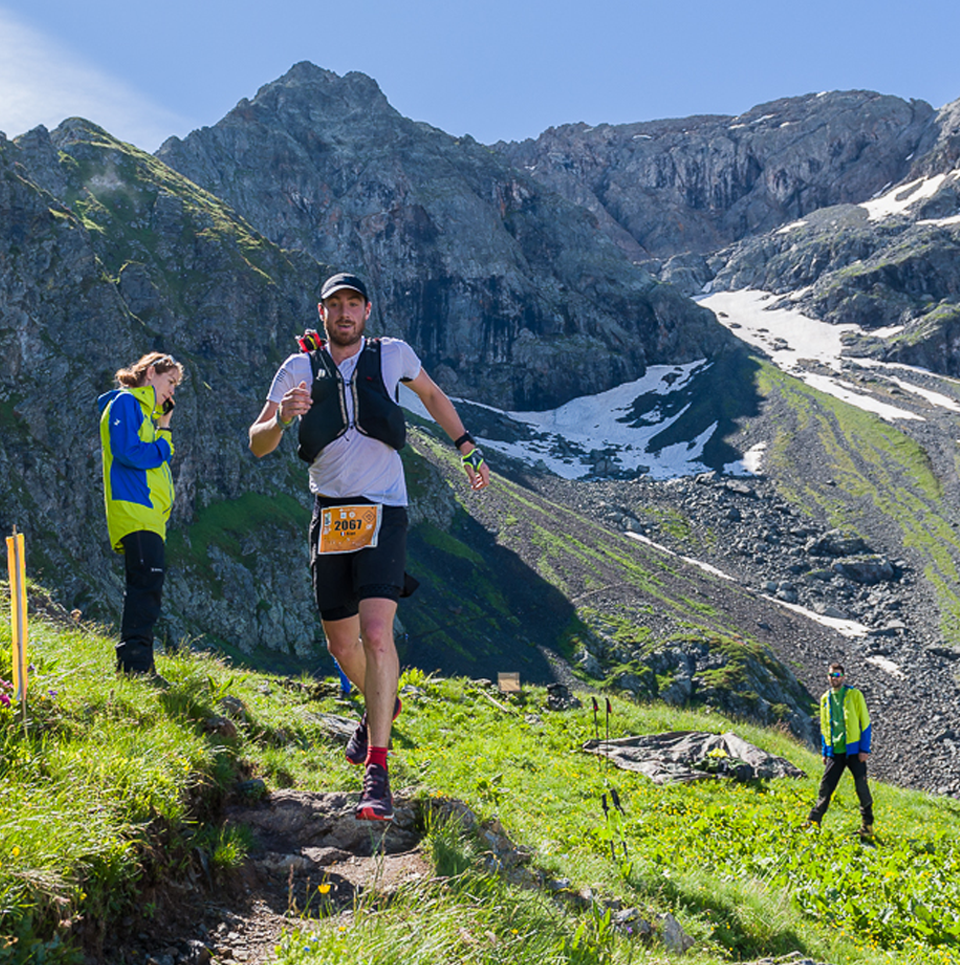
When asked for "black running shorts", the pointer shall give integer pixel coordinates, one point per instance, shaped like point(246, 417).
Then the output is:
point(342, 580)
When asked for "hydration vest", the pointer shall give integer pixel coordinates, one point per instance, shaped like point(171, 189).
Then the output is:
point(375, 413)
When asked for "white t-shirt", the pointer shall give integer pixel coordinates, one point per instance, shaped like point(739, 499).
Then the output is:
point(355, 464)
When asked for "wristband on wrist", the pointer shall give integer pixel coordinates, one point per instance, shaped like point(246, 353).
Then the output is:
point(164, 429)
point(283, 425)
point(466, 437)
point(473, 459)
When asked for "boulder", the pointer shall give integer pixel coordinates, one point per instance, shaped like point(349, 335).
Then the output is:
point(836, 542)
point(867, 569)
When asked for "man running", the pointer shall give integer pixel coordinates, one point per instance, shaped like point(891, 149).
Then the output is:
point(343, 390)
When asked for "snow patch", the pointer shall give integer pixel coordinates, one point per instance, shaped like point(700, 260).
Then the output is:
point(563, 439)
point(941, 222)
point(750, 464)
point(847, 628)
point(888, 665)
point(887, 331)
point(848, 393)
point(791, 339)
point(787, 228)
point(785, 334)
point(937, 398)
point(902, 197)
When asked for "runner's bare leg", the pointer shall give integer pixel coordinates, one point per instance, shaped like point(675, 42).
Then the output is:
point(363, 646)
point(382, 666)
point(343, 642)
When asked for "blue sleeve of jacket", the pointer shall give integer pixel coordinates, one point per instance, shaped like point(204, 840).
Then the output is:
point(865, 739)
point(127, 447)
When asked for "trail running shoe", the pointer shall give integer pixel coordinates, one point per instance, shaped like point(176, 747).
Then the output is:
point(376, 801)
point(356, 751)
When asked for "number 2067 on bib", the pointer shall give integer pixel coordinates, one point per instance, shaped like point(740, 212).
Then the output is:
point(346, 529)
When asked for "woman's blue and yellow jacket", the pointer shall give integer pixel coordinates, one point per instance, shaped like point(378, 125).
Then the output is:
point(137, 482)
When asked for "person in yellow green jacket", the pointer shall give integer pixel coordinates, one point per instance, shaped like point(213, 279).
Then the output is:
point(137, 445)
point(845, 737)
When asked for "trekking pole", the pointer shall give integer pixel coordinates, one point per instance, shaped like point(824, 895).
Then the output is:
point(607, 699)
point(606, 818)
point(616, 803)
point(596, 730)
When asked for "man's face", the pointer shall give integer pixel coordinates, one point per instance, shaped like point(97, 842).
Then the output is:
point(836, 678)
point(344, 316)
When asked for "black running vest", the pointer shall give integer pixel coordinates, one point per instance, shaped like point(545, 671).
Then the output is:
point(375, 413)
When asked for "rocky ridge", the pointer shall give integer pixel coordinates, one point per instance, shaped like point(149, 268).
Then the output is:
point(510, 293)
point(696, 184)
point(848, 202)
point(94, 271)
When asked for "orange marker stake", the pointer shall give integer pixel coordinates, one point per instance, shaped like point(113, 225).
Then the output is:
point(17, 569)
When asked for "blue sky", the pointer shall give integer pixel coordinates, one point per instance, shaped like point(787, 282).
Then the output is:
point(498, 69)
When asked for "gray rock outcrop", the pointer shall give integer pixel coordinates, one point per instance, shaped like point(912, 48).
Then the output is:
point(510, 293)
point(696, 184)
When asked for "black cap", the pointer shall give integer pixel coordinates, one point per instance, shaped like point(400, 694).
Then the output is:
point(343, 280)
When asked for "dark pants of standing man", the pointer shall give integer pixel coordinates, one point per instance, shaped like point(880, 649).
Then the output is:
point(143, 556)
point(831, 778)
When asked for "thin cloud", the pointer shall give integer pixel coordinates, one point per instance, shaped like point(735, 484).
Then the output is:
point(41, 82)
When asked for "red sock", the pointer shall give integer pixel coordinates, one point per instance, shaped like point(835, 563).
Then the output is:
point(377, 755)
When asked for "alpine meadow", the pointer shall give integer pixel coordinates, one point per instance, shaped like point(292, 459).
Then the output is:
point(713, 365)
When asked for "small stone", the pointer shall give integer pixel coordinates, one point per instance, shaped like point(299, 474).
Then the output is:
point(673, 935)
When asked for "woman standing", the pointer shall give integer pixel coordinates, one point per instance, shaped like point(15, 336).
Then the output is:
point(137, 445)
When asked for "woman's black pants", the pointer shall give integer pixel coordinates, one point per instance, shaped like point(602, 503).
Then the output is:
point(143, 556)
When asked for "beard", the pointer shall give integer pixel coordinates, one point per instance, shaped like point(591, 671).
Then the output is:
point(348, 338)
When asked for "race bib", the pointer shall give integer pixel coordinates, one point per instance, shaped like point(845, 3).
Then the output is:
point(346, 529)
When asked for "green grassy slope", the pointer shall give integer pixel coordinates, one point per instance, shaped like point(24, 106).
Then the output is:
point(114, 786)
point(856, 471)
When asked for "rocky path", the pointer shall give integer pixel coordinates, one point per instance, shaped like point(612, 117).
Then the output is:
point(311, 857)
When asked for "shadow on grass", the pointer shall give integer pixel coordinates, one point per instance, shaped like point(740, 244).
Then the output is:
point(480, 609)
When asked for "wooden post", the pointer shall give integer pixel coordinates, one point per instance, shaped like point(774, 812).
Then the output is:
point(17, 569)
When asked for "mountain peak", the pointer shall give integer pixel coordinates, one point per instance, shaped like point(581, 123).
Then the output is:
point(323, 90)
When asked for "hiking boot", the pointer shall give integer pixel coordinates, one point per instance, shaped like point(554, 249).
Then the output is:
point(356, 751)
point(147, 676)
point(376, 801)
point(812, 824)
point(157, 680)
point(866, 832)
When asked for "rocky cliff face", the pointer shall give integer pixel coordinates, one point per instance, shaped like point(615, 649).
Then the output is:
point(511, 295)
point(847, 201)
point(104, 255)
point(889, 262)
point(697, 184)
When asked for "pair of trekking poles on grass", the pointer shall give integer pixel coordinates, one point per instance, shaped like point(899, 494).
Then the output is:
point(613, 812)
